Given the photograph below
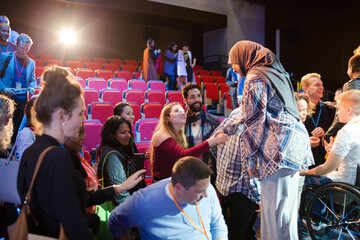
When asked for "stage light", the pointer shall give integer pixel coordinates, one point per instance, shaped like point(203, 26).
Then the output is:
point(68, 36)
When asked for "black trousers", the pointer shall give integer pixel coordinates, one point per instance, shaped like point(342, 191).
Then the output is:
point(240, 216)
point(18, 116)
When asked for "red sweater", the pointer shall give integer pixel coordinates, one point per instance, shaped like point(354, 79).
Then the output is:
point(168, 152)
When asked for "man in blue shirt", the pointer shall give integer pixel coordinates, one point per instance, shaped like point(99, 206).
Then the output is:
point(17, 72)
point(184, 206)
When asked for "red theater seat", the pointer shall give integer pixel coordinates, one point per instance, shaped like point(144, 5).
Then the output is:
point(155, 96)
point(92, 132)
point(138, 84)
point(101, 111)
point(151, 110)
point(137, 96)
point(123, 74)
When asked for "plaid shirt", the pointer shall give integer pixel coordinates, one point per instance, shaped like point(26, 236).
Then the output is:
point(263, 137)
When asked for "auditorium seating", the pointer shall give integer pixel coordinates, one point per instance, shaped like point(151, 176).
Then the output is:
point(100, 60)
point(39, 71)
point(136, 75)
point(227, 104)
point(117, 83)
point(155, 96)
point(97, 83)
point(134, 95)
point(111, 66)
point(46, 56)
point(174, 96)
point(93, 65)
point(38, 62)
point(101, 111)
point(127, 67)
point(90, 95)
point(106, 74)
point(111, 95)
point(198, 79)
point(223, 87)
point(131, 62)
point(32, 56)
point(157, 85)
point(197, 68)
point(210, 93)
point(54, 62)
point(92, 132)
point(116, 61)
point(219, 80)
point(123, 74)
point(207, 79)
point(75, 64)
point(85, 73)
point(83, 59)
point(203, 72)
point(138, 84)
point(81, 81)
point(144, 129)
point(215, 73)
point(151, 110)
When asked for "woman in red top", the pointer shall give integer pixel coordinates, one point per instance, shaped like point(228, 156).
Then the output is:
point(169, 141)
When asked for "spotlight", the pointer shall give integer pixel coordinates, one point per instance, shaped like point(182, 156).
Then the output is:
point(68, 36)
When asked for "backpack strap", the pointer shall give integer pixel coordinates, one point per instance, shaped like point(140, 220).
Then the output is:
point(103, 165)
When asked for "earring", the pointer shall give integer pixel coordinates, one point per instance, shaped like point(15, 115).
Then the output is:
point(64, 123)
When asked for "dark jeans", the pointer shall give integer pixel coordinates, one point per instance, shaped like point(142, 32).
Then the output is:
point(172, 82)
point(240, 216)
point(18, 116)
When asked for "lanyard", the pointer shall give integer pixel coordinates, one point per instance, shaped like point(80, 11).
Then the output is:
point(197, 208)
point(317, 121)
point(22, 67)
point(7, 49)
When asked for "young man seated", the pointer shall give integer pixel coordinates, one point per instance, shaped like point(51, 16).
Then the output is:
point(344, 152)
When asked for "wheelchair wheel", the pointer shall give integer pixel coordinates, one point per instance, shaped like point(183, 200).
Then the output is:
point(334, 212)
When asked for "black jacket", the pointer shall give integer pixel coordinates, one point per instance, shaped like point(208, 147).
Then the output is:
point(59, 194)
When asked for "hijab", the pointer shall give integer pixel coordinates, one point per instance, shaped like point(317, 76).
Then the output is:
point(251, 56)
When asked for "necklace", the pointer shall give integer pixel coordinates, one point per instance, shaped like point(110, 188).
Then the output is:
point(197, 208)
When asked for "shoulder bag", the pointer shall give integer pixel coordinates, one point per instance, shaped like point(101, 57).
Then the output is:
point(21, 230)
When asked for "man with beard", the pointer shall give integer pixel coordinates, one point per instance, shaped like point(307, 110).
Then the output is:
point(184, 206)
point(319, 122)
point(5, 45)
point(199, 124)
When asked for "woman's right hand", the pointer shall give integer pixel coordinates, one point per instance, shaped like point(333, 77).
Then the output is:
point(130, 182)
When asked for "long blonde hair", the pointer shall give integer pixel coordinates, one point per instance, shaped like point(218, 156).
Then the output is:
point(6, 131)
point(165, 125)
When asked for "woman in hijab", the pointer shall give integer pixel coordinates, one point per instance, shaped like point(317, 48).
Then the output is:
point(273, 141)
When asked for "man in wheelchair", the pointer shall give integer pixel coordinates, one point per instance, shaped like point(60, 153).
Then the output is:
point(334, 208)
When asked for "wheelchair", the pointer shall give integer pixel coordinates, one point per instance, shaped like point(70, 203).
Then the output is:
point(331, 212)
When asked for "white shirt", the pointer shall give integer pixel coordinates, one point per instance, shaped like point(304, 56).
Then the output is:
point(347, 145)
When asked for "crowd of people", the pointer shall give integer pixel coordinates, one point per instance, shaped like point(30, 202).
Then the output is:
point(177, 66)
point(254, 161)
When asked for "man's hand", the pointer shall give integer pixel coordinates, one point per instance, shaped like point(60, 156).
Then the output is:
point(318, 132)
point(8, 92)
point(328, 146)
point(314, 141)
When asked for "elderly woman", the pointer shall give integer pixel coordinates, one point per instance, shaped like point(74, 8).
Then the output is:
point(59, 194)
point(274, 143)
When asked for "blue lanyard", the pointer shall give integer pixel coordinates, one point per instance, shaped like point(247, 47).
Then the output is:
point(317, 121)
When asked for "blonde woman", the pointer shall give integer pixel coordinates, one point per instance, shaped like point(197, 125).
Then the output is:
point(169, 141)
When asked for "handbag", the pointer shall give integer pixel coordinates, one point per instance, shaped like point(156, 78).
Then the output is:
point(9, 168)
point(21, 230)
point(104, 210)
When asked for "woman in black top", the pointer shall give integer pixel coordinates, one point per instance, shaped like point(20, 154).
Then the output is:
point(59, 194)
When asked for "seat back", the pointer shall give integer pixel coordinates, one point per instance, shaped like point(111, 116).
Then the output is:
point(215, 73)
point(101, 110)
point(111, 66)
point(116, 61)
point(39, 71)
point(81, 81)
point(90, 95)
point(157, 85)
point(93, 65)
point(130, 68)
point(85, 73)
point(211, 93)
point(38, 62)
point(155, 96)
point(151, 110)
point(111, 95)
point(100, 60)
point(136, 75)
point(131, 62)
point(83, 59)
point(117, 83)
point(145, 129)
point(204, 72)
point(54, 62)
point(134, 95)
point(92, 132)
point(219, 79)
point(174, 96)
point(138, 84)
point(46, 56)
point(97, 83)
point(106, 74)
point(75, 64)
point(123, 74)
